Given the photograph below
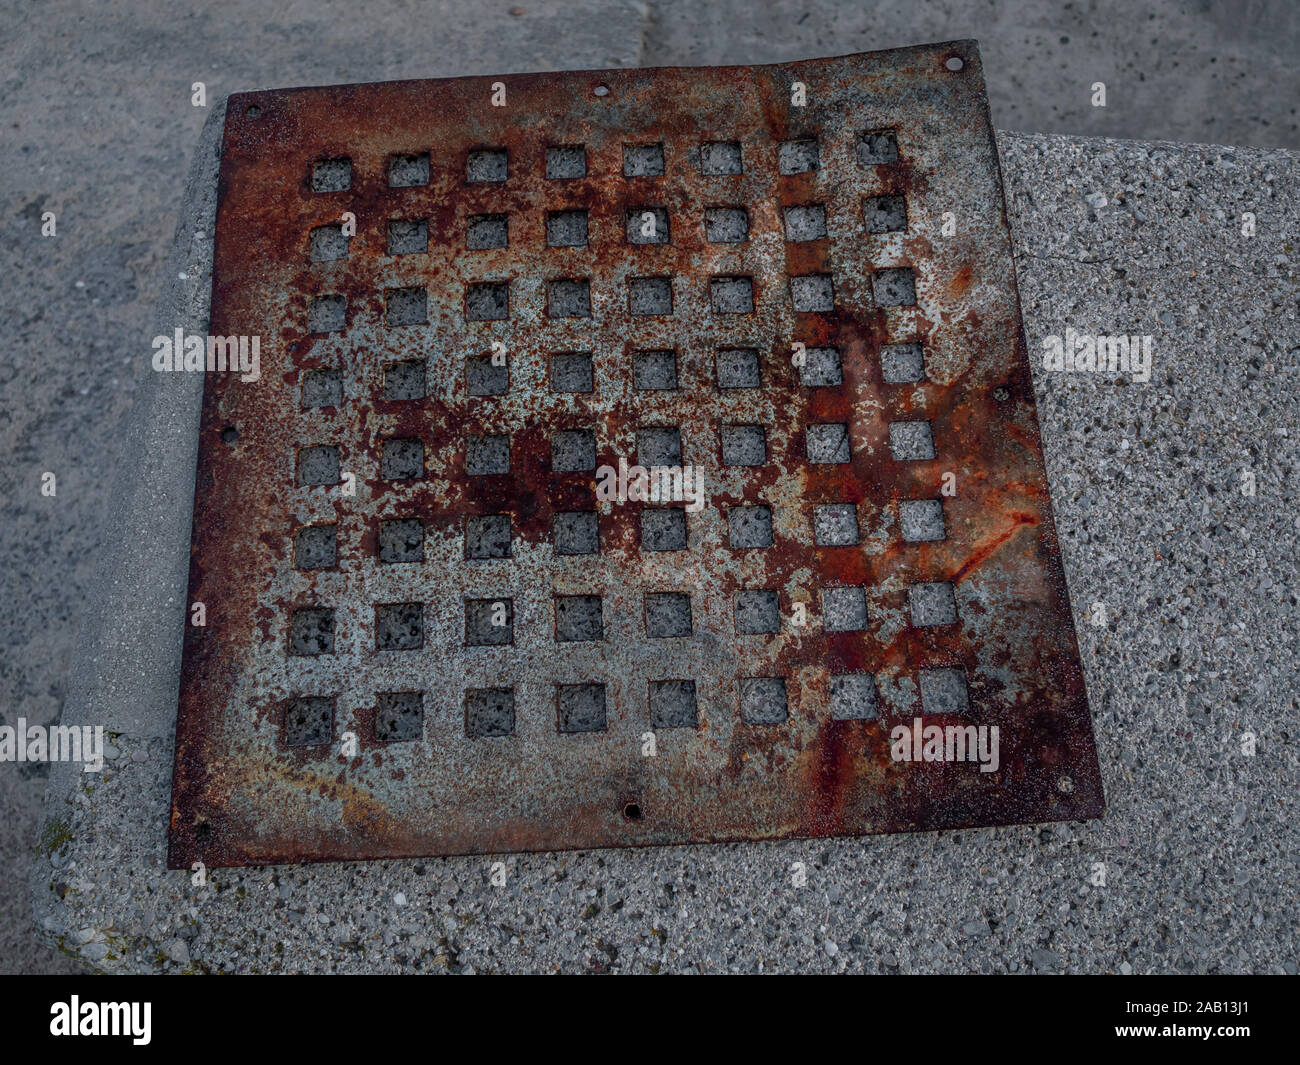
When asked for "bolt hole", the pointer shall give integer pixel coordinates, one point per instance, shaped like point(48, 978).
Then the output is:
point(1002, 393)
point(203, 831)
point(253, 111)
point(1065, 785)
point(229, 435)
point(632, 812)
point(954, 63)
point(601, 90)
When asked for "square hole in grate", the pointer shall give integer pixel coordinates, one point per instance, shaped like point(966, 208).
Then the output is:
point(311, 631)
point(798, 157)
point(647, 225)
point(944, 691)
point(643, 160)
point(408, 236)
point(486, 231)
point(568, 298)
point(827, 443)
point(573, 449)
point(486, 377)
point(757, 612)
point(487, 164)
point(732, 295)
point(884, 214)
point(762, 700)
point(329, 243)
point(487, 536)
point(876, 146)
point(901, 364)
point(921, 519)
point(327, 314)
point(750, 526)
point(401, 540)
point(721, 157)
point(580, 707)
point(663, 529)
point(654, 370)
point(489, 712)
point(932, 603)
point(566, 229)
point(853, 697)
point(726, 225)
point(489, 622)
point(406, 306)
point(318, 464)
point(821, 367)
point(813, 293)
point(399, 626)
point(316, 547)
point(807, 222)
point(650, 295)
point(576, 532)
point(895, 287)
point(487, 301)
point(835, 524)
point(672, 704)
point(309, 721)
point(566, 161)
point(402, 459)
point(737, 368)
point(744, 445)
point(844, 609)
point(911, 441)
point(487, 455)
point(399, 716)
point(331, 175)
point(578, 618)
point(408, 171)
point(571, 372)
point(321, 388)
point(667, 614)
point(659, 445)
point(405, 379)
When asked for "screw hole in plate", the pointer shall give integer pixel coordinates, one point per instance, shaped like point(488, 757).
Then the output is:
point(229, 435)
point(601, 90)
point(632, 812)
point(253, 111)
point(954, 63)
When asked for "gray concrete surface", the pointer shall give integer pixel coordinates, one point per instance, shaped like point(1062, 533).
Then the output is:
point(1196, 581)
point(1199, 580)
point(1207, 71)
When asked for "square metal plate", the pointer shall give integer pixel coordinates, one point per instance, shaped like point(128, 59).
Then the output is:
point(426, 634)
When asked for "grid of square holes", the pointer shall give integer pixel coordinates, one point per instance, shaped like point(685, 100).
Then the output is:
point(639, 224)
point(429, 631)
point(426, 634)
point(637, 310)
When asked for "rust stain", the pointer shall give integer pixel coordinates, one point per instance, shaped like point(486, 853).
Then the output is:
point(983, 550)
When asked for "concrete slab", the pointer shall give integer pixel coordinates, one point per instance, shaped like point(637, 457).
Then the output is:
point(1211, 72)
point(1185, 592)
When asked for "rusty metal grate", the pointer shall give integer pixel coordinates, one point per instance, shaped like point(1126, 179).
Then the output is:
point(427, 635)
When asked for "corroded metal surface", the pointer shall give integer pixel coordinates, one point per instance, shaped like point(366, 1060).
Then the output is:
point(902, 145)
